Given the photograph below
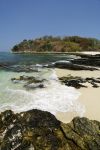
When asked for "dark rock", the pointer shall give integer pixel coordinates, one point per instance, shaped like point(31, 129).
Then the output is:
point(34, 86)
point(40, 130)
point(30, 82)
point(83, 132)
point(94, 85)
point(74, 83)
point(77, 82)
point(88, 60)
point(79, 62)
point(29, 79)
point(71, 65)
point(20, 68)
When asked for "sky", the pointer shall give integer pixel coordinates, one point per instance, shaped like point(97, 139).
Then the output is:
point(30, 19)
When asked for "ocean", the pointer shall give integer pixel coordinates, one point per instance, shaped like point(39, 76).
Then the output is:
point(54, 97)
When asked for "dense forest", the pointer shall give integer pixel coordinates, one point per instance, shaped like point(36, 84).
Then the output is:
point(58, 44)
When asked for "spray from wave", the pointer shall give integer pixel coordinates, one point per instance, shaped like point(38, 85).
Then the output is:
point(55, 97)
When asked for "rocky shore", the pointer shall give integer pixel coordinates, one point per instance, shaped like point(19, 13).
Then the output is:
point(30, 82)
point(39, 130)
point(80, 62)
point(79, 82)
point(77, 61)
point(87, 83)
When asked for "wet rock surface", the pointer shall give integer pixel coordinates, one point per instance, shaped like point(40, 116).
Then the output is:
point(40, 130)
point(79, 61)
point(72, 66)
point(79, 82)
point(20, 68)
point(88, 60)
point(30, 82)
point(23, 68)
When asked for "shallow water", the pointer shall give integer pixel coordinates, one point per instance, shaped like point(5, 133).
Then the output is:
point(6, 57)
point(53, 98)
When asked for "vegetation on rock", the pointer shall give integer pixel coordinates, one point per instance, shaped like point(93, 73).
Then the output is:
point(58, 44)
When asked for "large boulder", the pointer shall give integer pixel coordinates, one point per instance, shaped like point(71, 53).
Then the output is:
point(88, 60)
point(40, 130)
point(71, 65)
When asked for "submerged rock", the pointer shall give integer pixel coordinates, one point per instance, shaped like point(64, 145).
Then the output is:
point(40, 130)
point(24, 68)
point(30, 82)
point(29, 79)
point(34, 86)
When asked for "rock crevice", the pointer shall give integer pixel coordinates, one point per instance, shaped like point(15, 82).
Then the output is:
point(39, 130)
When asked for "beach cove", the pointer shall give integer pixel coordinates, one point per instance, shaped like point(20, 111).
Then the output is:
point(89, 97)
point(45, 101)
point(63, 101)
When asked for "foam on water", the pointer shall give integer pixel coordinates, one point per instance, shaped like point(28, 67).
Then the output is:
point(61, 61)
point(55, 97)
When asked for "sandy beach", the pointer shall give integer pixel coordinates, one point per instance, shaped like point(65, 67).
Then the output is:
point(90, 97)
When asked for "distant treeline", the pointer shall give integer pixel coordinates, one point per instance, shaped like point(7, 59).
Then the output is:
point(58, 44)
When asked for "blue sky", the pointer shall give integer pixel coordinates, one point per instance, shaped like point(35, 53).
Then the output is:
point(29, 19)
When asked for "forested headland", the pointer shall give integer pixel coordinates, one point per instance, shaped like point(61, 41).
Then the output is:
point(58, 44)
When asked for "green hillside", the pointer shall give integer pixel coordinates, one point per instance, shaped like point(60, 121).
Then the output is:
point(58, 44)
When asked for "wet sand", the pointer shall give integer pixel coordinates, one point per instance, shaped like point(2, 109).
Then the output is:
point(90, 97)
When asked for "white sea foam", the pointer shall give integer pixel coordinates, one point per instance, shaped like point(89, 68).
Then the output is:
point(91, 52)
point(62, 61)
point(56, 97)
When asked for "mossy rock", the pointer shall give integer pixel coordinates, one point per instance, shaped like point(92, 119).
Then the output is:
point(40, 130)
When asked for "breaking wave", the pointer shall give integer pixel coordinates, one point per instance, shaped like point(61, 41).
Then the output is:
point(55, 97)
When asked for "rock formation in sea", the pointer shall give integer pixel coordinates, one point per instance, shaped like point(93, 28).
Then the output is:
point(40, 130)
point(30, 82)
point(77, 61)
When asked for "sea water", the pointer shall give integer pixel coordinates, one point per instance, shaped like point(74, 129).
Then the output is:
point(55, 97)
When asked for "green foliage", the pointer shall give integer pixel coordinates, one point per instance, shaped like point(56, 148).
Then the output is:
point(58, 44)
point(72, 46)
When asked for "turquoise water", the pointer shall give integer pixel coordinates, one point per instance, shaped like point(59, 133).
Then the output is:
point(53, 98)
point(7, 57)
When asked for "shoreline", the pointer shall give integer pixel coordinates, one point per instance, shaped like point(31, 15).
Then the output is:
point(47, 52)
point(90, 97)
